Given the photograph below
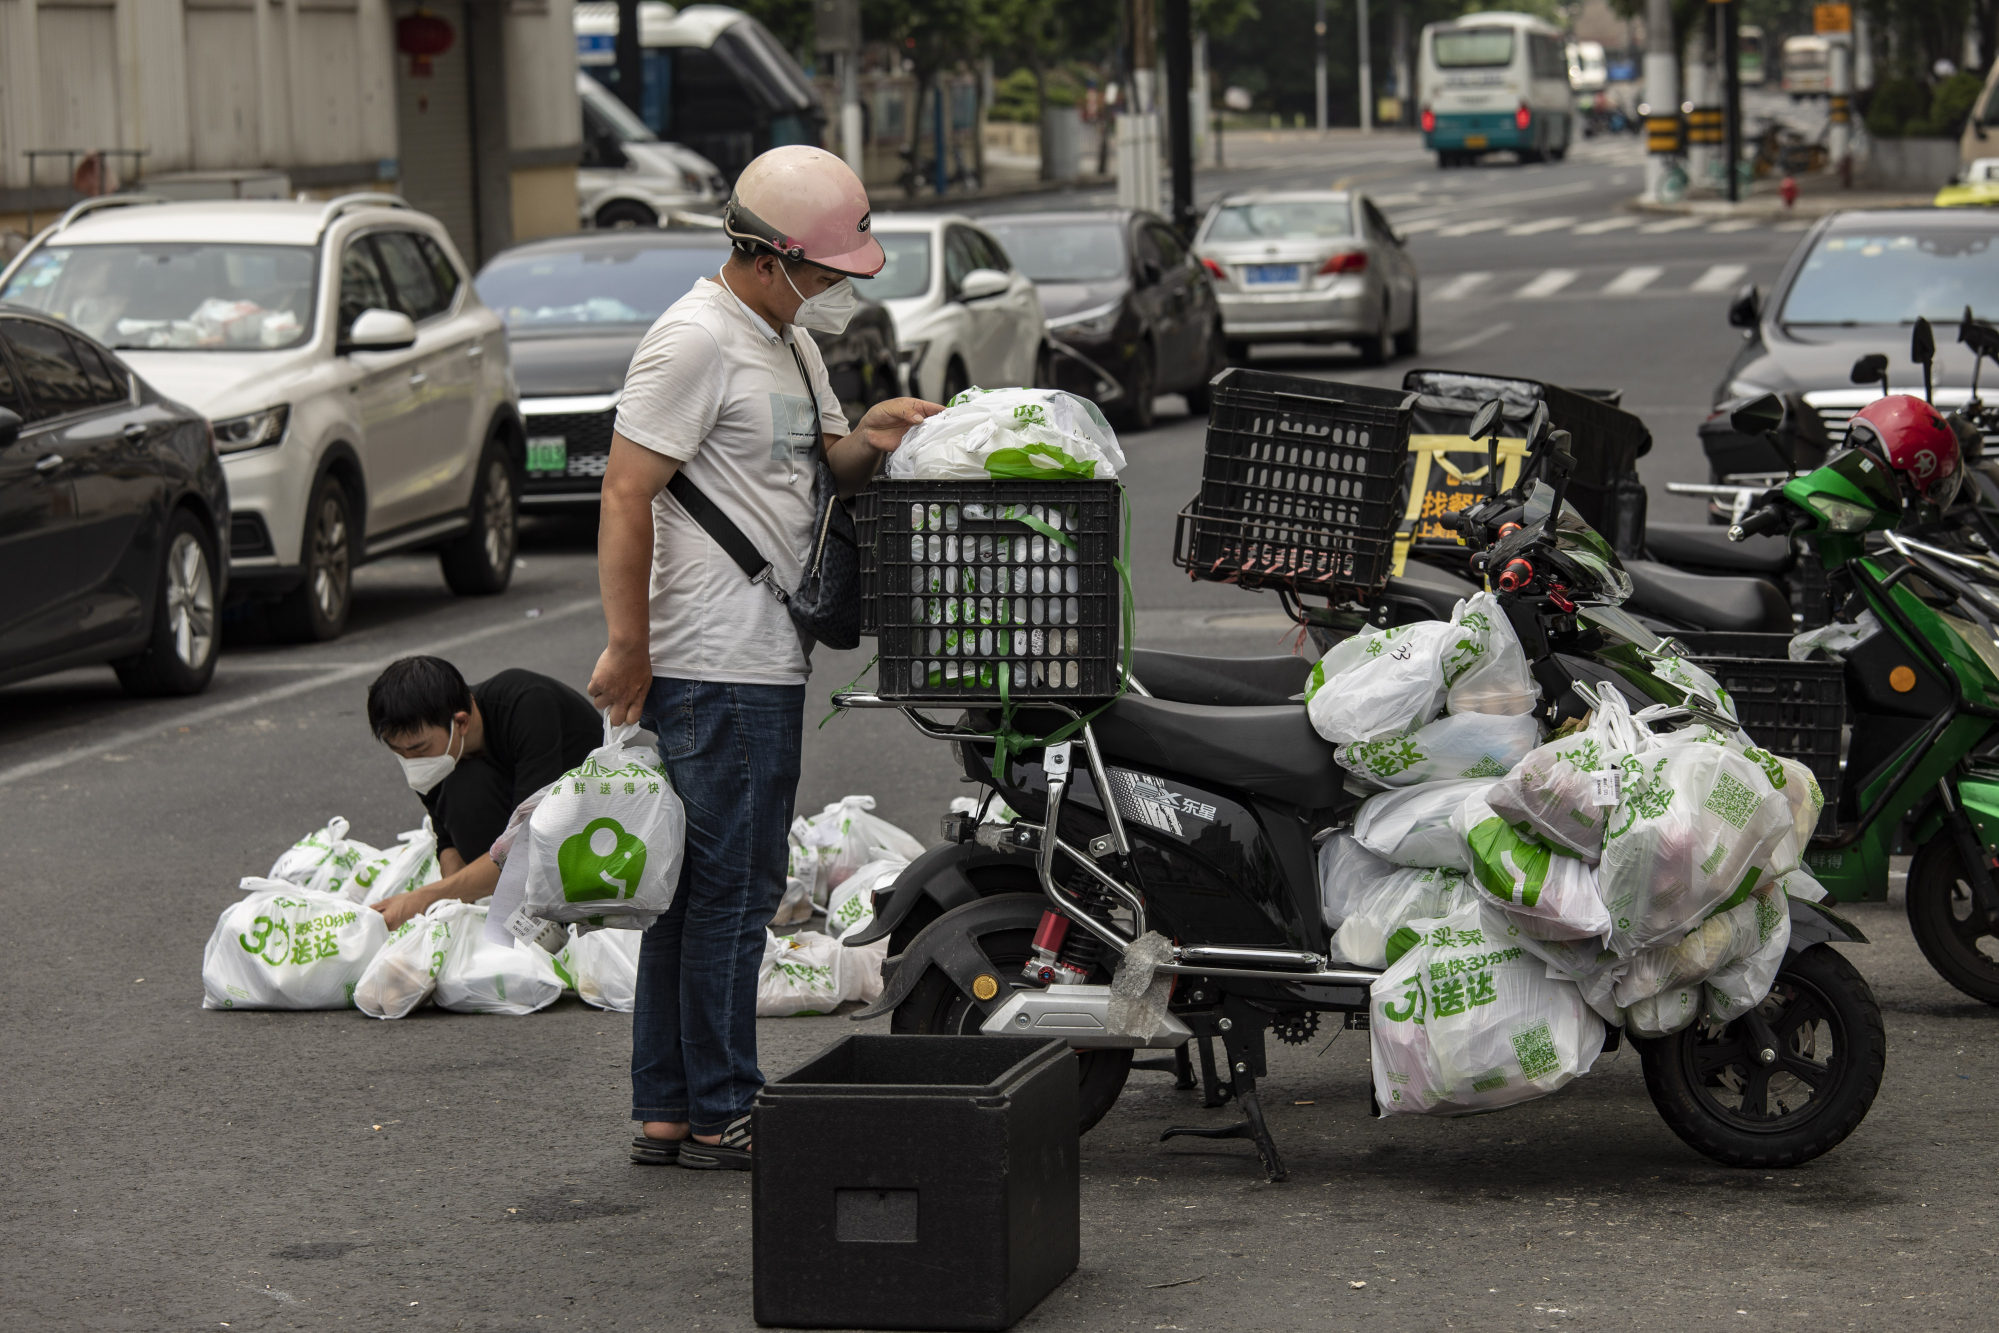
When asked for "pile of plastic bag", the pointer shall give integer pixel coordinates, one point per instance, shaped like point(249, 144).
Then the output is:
point(810, 973)
point(829, 847)
point(1010, 434)
point(1520, 894)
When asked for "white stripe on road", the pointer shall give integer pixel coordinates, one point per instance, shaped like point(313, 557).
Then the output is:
point(1536, 228)
point(1458, 288)
point(1486, 334)
point(1732, 224)
point(336, 676)
point(1418, 225)
point(1632, 280)
point(1473, 227)
point(1671, 224)
point(1719, 278)
point(1547, 284)
point(1602, 225)
point(1795, 224)
point(1396, 200)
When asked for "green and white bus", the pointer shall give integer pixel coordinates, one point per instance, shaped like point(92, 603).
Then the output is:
point(1491, 82)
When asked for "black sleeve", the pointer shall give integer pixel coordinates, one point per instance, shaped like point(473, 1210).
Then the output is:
point(541, 747)
point(472, 807)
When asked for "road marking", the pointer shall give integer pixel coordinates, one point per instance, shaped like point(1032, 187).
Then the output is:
point(1418, 225)
point(1458, 288)
point(1632, 280)
point(215, 712)
point(1472, 340)
point(1396, 200)
point(1719, 278)
point(1547, 284)
point(1795, 224)
point(1602, 225)
point(1671, 224)
point(1473, 227)
point(1537, 227)
point(1732, 224)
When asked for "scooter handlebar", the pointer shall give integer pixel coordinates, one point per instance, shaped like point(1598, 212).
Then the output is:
point(1761, 521)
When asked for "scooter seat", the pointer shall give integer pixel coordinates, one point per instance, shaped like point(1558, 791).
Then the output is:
point(1706, 546)
point(1707, 601)
point(1269, 751)
point(1220, 682)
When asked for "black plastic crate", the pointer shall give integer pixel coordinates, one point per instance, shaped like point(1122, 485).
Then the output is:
point(917, 1182)
point(1302, 485)
point(962, 583)
point(1795, 709)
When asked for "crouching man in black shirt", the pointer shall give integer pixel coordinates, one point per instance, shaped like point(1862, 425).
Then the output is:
point(474, 753)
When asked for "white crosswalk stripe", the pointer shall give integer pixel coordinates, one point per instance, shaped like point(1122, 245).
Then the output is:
point(1733, 224)
point(1719, 278)
point(1671, 224)
point(1419, 225)
point(1463, 285)
point(1632, 280)
point(1602, 225)
point(1547, 284)
point(1473, 227)
point(1536, 228)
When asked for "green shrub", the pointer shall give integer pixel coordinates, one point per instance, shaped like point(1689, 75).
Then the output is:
point(1951, 105)
point(1900, 106)
point(1014, 99)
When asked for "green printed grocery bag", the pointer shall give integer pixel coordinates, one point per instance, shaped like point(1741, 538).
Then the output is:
point(284, 947)
point(604, 844)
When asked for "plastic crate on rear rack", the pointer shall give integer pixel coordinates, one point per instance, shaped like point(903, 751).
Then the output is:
point(1795, 709)
point(961, 583)
point(1302, 484)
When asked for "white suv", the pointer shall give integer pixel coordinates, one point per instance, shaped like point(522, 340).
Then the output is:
point(360, 393)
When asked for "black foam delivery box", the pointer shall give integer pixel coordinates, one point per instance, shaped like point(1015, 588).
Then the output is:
point(916, 1182)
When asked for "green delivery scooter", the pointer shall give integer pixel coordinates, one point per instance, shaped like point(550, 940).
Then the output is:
point(1922, 702)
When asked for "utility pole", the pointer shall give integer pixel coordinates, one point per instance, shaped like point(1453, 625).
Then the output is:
point(1839, 87)
point(1405, 91)
point(1662, 92)
point(1729, 14)
point(837, 33)
point(1366, 71)
point(630, 59)
point(1319, 59)
point(1177, 29)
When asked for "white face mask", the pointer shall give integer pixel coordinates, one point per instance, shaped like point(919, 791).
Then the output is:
point(829, 311)
point(425, 773)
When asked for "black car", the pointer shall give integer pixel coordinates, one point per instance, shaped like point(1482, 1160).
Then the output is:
point(1855, 285)
point(111, 499)
point(1131, 312)
point(576, 308)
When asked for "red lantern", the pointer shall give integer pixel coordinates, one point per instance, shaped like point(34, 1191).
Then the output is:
point(423, 37)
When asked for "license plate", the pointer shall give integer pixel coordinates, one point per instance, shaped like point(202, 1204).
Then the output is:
point(1475, 141)
point(1270, 273)
point(548, 453)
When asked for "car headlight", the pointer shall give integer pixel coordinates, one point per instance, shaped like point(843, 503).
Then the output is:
point(1839, 515)
point(1087, 323)
point(250, 430)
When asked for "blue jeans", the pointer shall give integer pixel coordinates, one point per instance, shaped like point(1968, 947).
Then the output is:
point(732, 752)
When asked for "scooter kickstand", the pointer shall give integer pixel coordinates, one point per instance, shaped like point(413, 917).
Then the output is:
point(1251, 1127)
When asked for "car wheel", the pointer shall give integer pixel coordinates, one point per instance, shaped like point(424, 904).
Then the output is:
point(1557, 154)
point(1374, 347)
point(316, 610)
point(1410, 341)
point(481, 562)
point(179, 656)
point(956, 381)
point(1199, 399)
point(626, 213)
point(1141, 386)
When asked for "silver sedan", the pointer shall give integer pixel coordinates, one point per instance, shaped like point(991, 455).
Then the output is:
point(1310, 266)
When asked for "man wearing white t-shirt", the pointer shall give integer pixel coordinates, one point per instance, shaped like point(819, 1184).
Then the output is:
point(728, 390)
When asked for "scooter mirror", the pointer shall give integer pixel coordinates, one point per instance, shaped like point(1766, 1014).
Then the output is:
point(1870, 369)
point(1485, 421)
point(1759, 415)
point(1922, 343)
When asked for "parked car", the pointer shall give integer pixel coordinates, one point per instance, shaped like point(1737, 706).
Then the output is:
point(964, 314)
point(112, 510)
point(1310, 266)
point(360, 392)
point(575, 308)
point(628, 176)
point(1127, 298)
point(1855, 285)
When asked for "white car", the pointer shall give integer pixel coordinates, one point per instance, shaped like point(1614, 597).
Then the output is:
point(359, 392)
point(963, 313)
point(629, 176)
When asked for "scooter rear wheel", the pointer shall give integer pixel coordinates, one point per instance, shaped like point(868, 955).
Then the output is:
point(1943, 920)
point(935, 1006)
point(1722, 1100)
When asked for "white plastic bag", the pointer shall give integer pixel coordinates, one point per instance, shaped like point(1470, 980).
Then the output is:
point(853, 903)
point(1695, 824)
point(1411, 826)
point(1835, 640)
point(324, 860)
point(604, 845)
point(1555, 890)
point(1485, 669)
point(404, 971)
point(1740, 985)
point(810, 973)
point(284, 947)
point(1383, 683)
point(1010, 434)
point(1693, 958)
point(410, 864)
point(1463, 745)
point(602, 967)
point(847, 835)
point(1348, 873)
point(1565, 789)
point(481, 977)
point(1390, 904)
point(1466, 1019)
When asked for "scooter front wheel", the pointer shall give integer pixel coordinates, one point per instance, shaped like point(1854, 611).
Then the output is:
point(1946, 923)
point(1749, 1102)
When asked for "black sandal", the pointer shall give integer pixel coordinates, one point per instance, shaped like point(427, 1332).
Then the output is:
point(731, 1154)
point(647, 1151)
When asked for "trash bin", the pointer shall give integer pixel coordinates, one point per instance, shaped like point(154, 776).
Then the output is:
point(916, 1182)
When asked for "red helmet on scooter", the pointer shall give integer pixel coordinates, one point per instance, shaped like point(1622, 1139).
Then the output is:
point(1914, 439)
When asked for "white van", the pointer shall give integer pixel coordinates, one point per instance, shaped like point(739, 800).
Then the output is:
point(1495, 81)
point(629, 177)
point(1807, 67)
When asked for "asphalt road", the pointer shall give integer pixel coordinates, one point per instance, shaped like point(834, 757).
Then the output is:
point(174, 1168)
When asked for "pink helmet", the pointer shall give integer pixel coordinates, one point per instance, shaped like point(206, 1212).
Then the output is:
point(805, 204)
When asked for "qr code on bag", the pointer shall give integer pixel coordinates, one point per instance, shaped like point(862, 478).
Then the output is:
point(1536, 1048)
point(1732, 801)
